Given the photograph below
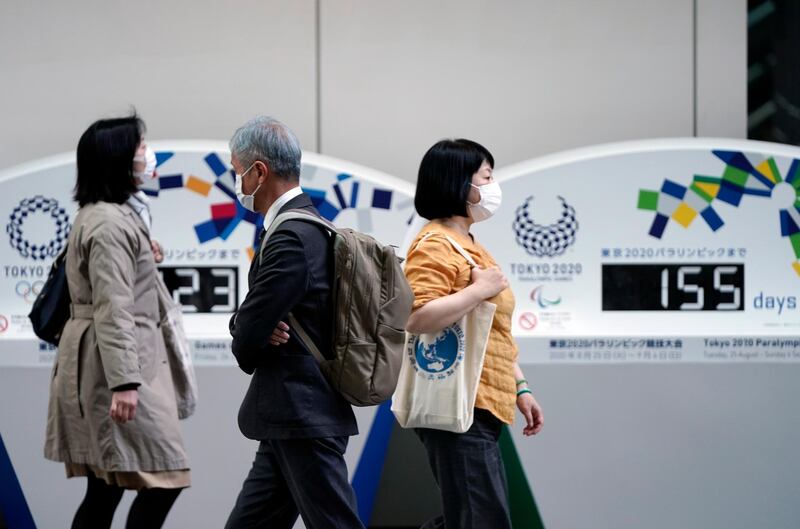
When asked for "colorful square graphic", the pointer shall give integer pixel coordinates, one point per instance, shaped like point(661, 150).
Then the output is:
point(740, 178)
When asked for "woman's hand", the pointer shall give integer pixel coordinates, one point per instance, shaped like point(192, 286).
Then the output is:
point(280, 335)
point(532, 412)
point(488, 281)
point(123, 405)
point(158, 252)
point(437, 314)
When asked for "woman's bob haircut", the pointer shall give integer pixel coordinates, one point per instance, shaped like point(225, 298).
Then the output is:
point(445, 175)
point(105, 160)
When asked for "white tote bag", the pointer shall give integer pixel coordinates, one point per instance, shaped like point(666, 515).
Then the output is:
point(440, 372)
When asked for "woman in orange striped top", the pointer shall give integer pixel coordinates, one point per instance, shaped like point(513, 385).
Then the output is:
point(455, 188)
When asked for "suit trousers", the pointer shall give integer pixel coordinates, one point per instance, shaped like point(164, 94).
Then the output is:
point(469, 471)
point(297, 476)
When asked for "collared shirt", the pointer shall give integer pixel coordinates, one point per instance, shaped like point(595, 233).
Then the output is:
point(141, 205)
point(276, 206)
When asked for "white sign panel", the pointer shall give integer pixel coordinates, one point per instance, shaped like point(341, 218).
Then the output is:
point(657, 251)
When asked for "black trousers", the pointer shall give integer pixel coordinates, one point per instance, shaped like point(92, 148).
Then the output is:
point(469, 471)
point(297, 476)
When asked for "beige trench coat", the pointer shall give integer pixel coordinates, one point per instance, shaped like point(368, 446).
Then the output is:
point(112, 338)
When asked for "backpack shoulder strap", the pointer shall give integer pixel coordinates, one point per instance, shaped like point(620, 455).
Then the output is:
point(293, 214)
point(298, 214)
point(305, 338)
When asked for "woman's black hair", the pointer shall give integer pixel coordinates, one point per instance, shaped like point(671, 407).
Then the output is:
point(445, 175)
point(105, 160)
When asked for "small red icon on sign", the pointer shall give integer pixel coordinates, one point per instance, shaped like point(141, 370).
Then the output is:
point(3, 323)
point(528, 321)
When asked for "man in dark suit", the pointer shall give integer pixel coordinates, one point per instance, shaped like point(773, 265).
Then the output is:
point(302, 423)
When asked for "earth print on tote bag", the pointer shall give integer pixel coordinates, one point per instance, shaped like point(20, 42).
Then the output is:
point(440, 372)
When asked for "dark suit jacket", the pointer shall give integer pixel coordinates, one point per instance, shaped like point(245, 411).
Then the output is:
point(288, 396)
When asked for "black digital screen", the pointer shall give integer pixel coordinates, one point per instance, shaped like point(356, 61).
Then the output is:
point(675, 287)
point(203, 289)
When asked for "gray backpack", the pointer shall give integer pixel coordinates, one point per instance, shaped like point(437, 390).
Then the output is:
point(371, 305)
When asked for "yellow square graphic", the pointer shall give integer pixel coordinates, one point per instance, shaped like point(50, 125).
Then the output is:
point(709, 189)
point(765, 169)
point(200, 187)
point(796, 266)
point(684, 215)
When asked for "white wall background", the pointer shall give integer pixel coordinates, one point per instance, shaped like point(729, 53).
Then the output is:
point(376, 82)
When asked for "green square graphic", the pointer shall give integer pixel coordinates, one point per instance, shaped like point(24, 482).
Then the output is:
point(795, 244)
point(735, 176)
point(648, 200)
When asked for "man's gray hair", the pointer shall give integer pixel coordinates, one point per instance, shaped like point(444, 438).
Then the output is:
point(270, 141)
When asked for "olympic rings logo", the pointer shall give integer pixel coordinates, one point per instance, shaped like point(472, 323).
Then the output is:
point(29, 291)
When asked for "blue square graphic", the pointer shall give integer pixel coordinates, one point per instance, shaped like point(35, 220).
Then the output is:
point(712, 219)
point(671, 188)
point(382, 199)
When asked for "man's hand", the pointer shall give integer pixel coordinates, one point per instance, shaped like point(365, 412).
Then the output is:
point(123, 405)
point(280, 335)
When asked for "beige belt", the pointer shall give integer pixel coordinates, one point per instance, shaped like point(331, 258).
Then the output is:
point(81, 312)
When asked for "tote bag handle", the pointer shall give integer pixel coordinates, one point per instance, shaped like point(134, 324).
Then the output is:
point(455, 245)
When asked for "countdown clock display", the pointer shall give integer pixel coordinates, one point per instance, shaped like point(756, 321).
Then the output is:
point(203, 289)
point(699, 286)
point(683, 250)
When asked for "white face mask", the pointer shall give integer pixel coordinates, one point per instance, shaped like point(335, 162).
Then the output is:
point(248, 202)
point(149, 160)
point(491, 197)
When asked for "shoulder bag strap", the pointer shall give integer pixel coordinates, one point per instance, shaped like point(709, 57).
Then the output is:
point(455, 245)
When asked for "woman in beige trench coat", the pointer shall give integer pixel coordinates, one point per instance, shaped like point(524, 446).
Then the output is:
point(112, 415)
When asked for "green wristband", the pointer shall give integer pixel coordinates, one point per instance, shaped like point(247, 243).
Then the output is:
point(521, 381)
point(523, 391)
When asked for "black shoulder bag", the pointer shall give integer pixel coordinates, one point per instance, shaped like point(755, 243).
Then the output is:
point(50, 311)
